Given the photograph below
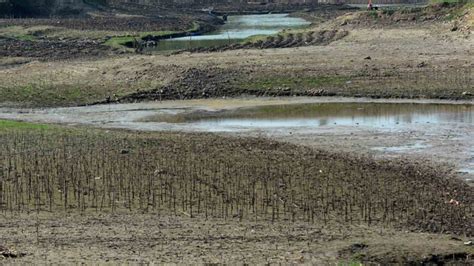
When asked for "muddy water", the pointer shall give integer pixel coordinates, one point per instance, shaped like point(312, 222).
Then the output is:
point(431, 125)
point(376, 115)
point(439, 131)
point(236, 29)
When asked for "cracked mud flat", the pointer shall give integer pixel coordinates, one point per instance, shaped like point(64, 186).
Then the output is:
point(445, 143)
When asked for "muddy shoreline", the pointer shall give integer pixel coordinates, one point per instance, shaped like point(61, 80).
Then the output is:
point(442, 144)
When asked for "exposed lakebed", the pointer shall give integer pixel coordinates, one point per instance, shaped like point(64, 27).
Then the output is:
point(440, 131)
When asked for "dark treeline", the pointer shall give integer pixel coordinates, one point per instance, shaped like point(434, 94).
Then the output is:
point(44, 8)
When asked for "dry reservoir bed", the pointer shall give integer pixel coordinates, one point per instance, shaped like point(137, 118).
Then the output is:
point(323, 181)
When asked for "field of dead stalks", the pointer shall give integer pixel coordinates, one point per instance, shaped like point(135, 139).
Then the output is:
point(207, 176)
point(49, 170)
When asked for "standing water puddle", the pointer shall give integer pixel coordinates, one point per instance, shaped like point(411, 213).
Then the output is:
point(434, 130)
point(434, 124)
point(377, 115)
point(236, 29)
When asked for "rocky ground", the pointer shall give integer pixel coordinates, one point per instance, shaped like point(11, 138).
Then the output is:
point(53, 49)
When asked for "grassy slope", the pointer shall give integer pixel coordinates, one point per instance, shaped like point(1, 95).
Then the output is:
point(69, 84)
point(8, 124)
point(44, 94)
point(16, 32)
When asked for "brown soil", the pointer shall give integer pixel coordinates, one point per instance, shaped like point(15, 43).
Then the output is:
point(140, 238)
point(408, 16)
point(48, 50)
point(404, 63)
point(196, 83)
point(212, 82)
point(291, 40)
point(345, 188)
point(107, 22)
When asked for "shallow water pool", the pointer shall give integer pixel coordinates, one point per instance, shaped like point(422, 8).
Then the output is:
point(377, 115)
point(236, 29)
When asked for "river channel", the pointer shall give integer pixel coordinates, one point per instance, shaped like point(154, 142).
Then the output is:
point(235, 30)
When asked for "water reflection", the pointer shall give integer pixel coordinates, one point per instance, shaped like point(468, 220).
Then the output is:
point(326, 114)
point(235, 30)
